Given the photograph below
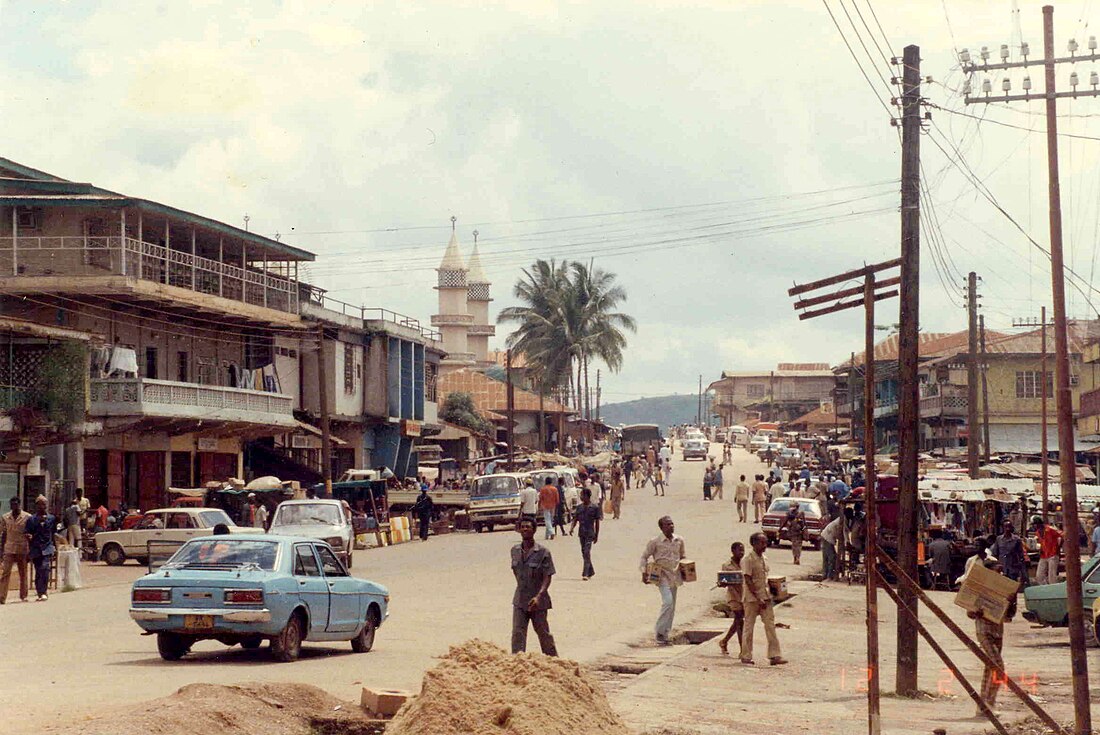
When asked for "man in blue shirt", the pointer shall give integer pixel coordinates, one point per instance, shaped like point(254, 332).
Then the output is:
point(40, 530)
point(805, 474)
point(839, 489)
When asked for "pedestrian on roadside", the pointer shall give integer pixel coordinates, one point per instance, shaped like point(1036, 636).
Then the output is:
point(423, 508)
point(665, 550)
point(548, 504)
point(533, 567)
point(559, 510)
point(257, 513)
point(708, 483)
point(1050, 544)
point(839, 489)
point(758, 602)
point(990, 637)
point(741, 494)
point(716, 484)
point(795, 523)
point(628, 468)
point(16, 549)
point(829, 536)
point(71, 517)
point(659, 479)
point(39, 533)
point(529, 501)
point(759, 498)
point(588, 517)
point(617, 492)
point(856, 529)
point(651, 456)
point(1010, 552)
point(939, 557)
point(734, 594)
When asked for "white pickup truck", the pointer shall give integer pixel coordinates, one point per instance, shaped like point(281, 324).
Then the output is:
point(177, 525)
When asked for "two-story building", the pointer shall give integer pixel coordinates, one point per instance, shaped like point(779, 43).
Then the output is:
point(178, 315)
point(789, 391)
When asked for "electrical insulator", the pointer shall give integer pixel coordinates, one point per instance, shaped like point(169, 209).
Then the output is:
point(1092, 44)
point(1004, 52)
point(1094, 79)
point(1073, 81)
point(1073, 45)
point(987, 86)
point(964, 56)
point(967, 88)
point(1027, 84)
point(1006, 84)
point(985, 53)
point(1025, 49)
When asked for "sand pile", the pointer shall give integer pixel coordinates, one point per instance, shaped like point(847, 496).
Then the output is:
point(256, 709)
point(480, 689)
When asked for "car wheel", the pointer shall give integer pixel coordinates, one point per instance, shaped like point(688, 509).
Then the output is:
point(172, 646)
point(113, 555)
point(365, 640)
point(252, 642)
point(287, 645)
point(143, 561)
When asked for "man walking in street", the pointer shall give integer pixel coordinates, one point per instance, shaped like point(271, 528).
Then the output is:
point(423, 508)
point(741, 494)
point(628, 468)
point(257, 512)
point(1010, 552)
point(734, 598)
point(758, 602)
point(16, 550)
point(548, 503)
point(759, 498)
point(529, 501)
point(829, 536)
point(71, 516)
point(617, 493)
point(666, 550)
point(40, 529)
point(659, 481)
point(991, 637)
point(588, 517)
point(533, 568)
point(795, 523)
point(716, 484)
point(1050, 544)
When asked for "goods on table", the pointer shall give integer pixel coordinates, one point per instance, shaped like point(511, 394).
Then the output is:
point(480, 689)
point(985, 589)
point(687, 570)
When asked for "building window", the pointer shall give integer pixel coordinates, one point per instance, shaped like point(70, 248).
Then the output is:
point(429, 381)
point(206, 371)
point(349, 368)
point(151, 363)
point(755, 390)
point(183, 366)
point(1028, 382)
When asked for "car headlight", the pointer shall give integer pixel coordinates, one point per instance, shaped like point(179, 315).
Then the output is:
point(336, 542)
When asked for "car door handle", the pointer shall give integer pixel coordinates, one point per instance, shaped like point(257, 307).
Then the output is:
point(302, 582)
point(1090, 591)
point(331, 585)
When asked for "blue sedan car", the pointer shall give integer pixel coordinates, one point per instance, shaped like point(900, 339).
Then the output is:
point(247, 588)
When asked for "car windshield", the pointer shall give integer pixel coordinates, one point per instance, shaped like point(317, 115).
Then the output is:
point(540, 478)
point(485, 486)
point(783, 505)
point(211, 518)
point(225, 551)
point(305, 514)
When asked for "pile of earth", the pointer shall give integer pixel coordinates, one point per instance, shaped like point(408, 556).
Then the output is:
point(256, 709)
point(480, 689)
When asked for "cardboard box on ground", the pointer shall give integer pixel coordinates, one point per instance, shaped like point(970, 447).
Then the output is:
point(986, 590)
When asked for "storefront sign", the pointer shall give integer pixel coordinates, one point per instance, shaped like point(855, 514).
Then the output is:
point(410, 428)
point(206, 444)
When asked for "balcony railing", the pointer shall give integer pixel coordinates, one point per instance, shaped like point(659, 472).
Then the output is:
point(97, 256)
point(886, 407)
point(944, 406)
point(370, 313)
point(166, 398)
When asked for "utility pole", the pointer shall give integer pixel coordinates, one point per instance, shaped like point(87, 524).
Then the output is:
point(322, 396)
point(699, 404)
point(985, 391)
point(597, 395)
point(510, 402)
point(908, 355)
point(1046, 455)
point(972, 430)
point(869, 296)
point(1063, 397)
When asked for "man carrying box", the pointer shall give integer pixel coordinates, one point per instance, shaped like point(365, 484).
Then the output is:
point(991, 637)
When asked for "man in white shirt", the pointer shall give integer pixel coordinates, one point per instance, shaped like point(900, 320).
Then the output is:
point(666, 551)
point(529, 501)
point(829, 535)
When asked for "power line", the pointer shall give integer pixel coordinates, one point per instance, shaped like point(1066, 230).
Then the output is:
point(856, 59)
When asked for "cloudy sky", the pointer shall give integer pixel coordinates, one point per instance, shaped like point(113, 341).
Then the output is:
point(710, 154)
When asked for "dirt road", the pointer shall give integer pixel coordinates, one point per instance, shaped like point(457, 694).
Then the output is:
point(80, 650)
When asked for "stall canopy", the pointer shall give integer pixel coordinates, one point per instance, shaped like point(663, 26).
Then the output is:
point(1034, 471)
point(1028, 439)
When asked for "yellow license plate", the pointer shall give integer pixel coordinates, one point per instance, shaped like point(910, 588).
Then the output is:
point(198, 622)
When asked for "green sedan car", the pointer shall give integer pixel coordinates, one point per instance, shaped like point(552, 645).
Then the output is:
point(1046, 603)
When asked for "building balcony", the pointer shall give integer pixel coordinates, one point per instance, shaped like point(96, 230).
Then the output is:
point(44, 265)
point(1090, 404)
point(452, 320)
point(481, 330)
point(944, 402)
point(459, 358)
point(187, 406)
point(886, 407)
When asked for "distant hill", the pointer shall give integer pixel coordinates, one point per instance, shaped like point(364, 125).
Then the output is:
point(665, 411)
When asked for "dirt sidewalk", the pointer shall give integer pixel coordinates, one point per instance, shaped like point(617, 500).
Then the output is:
point(696, 689)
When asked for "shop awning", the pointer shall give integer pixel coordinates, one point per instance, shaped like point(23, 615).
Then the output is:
point(311, 429)
point(1028, 439)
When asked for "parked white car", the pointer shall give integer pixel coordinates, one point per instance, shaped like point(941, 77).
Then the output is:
point(326, 520)
point(172, 525)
